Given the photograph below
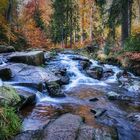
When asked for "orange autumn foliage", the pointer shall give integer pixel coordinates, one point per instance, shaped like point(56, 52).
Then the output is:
point(35, 36)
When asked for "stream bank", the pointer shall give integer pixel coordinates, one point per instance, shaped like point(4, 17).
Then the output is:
point(72, 90)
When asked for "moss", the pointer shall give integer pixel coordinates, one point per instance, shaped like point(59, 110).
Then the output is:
point(8, 96)
point(10, 123)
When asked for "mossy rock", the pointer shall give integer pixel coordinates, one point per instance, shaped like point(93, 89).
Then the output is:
point(8, 96)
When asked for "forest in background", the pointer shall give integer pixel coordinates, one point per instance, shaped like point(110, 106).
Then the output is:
point(104, 30)
point(70, 23)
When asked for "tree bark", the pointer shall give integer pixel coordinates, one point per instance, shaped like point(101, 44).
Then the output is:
point(125, 20)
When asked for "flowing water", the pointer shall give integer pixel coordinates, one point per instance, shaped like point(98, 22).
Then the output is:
point(80, 89)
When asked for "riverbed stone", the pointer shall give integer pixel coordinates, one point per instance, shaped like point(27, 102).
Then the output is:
point(98, 112)
point(85, 64)
point(107, 73)
point(54, 89)
point(95, 72)
point(64, 128)
point(5, 73)
point(27, 98)
point(31, 58)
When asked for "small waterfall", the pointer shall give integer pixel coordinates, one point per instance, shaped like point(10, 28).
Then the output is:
point(1, 83)
point(77, 78)
point(2, 61)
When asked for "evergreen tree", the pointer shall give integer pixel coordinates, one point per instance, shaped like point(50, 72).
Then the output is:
point(64, 21)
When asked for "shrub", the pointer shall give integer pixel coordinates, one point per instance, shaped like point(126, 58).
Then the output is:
point(132, 44)
point(10, 123)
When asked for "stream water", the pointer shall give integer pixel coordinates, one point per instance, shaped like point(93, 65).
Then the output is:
point(80, 89)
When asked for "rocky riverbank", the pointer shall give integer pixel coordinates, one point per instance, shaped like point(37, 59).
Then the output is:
point(68, 96)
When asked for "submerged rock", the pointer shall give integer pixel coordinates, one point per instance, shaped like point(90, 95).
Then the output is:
point(5, 73)
point(31, 58)
point(95, 72)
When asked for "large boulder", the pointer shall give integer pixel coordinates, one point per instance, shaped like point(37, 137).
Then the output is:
point(69, 127)
point(5, 73)
point(64, 128)
point(25, 74)
point(6, 49)
point(8, 96)
point(89, 133)
point(36, 77)
point(95, 72)
point(31, 58)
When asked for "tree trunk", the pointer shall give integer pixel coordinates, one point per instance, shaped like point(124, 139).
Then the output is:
point(125, 20)
point(9, 19)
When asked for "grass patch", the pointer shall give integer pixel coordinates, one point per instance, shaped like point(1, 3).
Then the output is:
point(10, 123)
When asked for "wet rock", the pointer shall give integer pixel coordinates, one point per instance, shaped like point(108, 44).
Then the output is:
point(101, 134)
point(134, 117)
point(113, 95)
point(8, 96)
point(64, 80)
point(79, 58)
point(62, 74)
point(6, 49)
point(86, 133)
point(123, 77)
point(31, 58)
point(85, 64)
point(93, 99)
point(5, 73)
point(27, 98)
point(107, 73)
point(54, 89)
point(98, 112)
point(90, 133)
point(30, 75)
point(48, 56)
point(64, 128)
point(29, 135)
point(95, 72)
